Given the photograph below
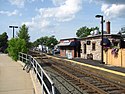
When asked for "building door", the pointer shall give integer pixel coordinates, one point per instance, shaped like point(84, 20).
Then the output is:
point(66, 53)
point(84, 48)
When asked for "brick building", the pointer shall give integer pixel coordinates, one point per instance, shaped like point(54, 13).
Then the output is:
point(91, 45)
point(69, 48)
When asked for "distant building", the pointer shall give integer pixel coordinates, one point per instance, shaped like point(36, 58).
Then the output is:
point(69, 48)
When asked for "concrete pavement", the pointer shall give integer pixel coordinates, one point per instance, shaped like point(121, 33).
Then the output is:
point(13, 80)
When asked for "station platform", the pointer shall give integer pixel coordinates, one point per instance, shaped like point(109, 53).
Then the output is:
point(13, 80)
point(97, 65)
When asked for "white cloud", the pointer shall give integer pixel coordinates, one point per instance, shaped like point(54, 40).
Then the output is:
point(64, 12)
point(30, 1)
point(21, 3)
point(112, 8)
point(8, 13)
point(46, 17)
point(58, 2)
point(18, 3)
point(110, 1)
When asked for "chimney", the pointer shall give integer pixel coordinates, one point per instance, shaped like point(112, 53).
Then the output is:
point(108, 27)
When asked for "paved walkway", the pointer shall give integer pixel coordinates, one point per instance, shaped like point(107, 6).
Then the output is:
point(13, 80)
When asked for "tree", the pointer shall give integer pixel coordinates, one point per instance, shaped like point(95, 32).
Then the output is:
point(40, 41)
point(16, 45)
point(3, 42)
point(23, 34)
point(19, 44)
point(47, 41)
point(85, 31)
point(51, 42)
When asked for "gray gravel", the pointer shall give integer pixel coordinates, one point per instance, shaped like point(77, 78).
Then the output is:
point(62, 85)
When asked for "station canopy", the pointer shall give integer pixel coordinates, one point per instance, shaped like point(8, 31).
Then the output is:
point(73, 43)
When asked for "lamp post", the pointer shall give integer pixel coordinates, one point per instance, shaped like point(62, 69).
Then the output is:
point(101, 16)
point(13, 29)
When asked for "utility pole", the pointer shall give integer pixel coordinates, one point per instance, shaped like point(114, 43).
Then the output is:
point(13, 29)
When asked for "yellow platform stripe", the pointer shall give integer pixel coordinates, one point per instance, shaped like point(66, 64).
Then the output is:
point(95, 67)
point(99, 68)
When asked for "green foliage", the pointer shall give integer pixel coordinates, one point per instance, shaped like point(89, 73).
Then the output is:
point(23, 34)
point(85, 31)
point(19, 44)
point(47, 41)
point(30, 44)
point(51, 42)
point(3, 42)
point(16, 45)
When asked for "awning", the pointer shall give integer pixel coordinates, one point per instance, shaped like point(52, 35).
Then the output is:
point(73, 43)
point(106, 42)
point(64, 44)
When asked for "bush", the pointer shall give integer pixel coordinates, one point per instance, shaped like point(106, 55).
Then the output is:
point(6, 51)
point(16, 45)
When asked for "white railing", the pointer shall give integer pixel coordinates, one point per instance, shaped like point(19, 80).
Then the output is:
point(46, 83)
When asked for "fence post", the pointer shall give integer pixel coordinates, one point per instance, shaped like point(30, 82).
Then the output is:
point(36, 69)
point(22, 57)
point(53, 89)
point(18, 56)
point(26, 59)
point(42, 82)
point(29, 59)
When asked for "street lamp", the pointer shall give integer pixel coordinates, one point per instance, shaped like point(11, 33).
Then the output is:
point(13, 29)
point(101, 16)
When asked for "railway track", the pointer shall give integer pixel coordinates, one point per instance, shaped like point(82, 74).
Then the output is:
point(63, 86)
point(89, 82)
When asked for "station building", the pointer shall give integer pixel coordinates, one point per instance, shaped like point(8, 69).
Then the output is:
point(92, 44)
point(69, 48)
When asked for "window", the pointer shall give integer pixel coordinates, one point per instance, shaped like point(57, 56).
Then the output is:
point(88, 42)
point(84, 48)
point(93, 46)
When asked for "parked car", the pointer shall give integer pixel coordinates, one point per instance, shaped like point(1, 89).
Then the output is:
point(57, 51)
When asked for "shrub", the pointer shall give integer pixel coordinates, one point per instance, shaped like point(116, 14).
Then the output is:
point(16, 45)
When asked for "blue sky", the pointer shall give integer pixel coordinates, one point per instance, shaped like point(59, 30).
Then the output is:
point(61, 18)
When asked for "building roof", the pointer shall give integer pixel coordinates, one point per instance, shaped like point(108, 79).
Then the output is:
point(105, 35)
point(69, 39)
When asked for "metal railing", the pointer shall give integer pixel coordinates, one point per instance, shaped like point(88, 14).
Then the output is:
point(46, 83)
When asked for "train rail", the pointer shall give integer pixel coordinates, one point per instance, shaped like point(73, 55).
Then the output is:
point(89, 82)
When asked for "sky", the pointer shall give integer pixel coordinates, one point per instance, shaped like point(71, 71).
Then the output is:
point(61, 18)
